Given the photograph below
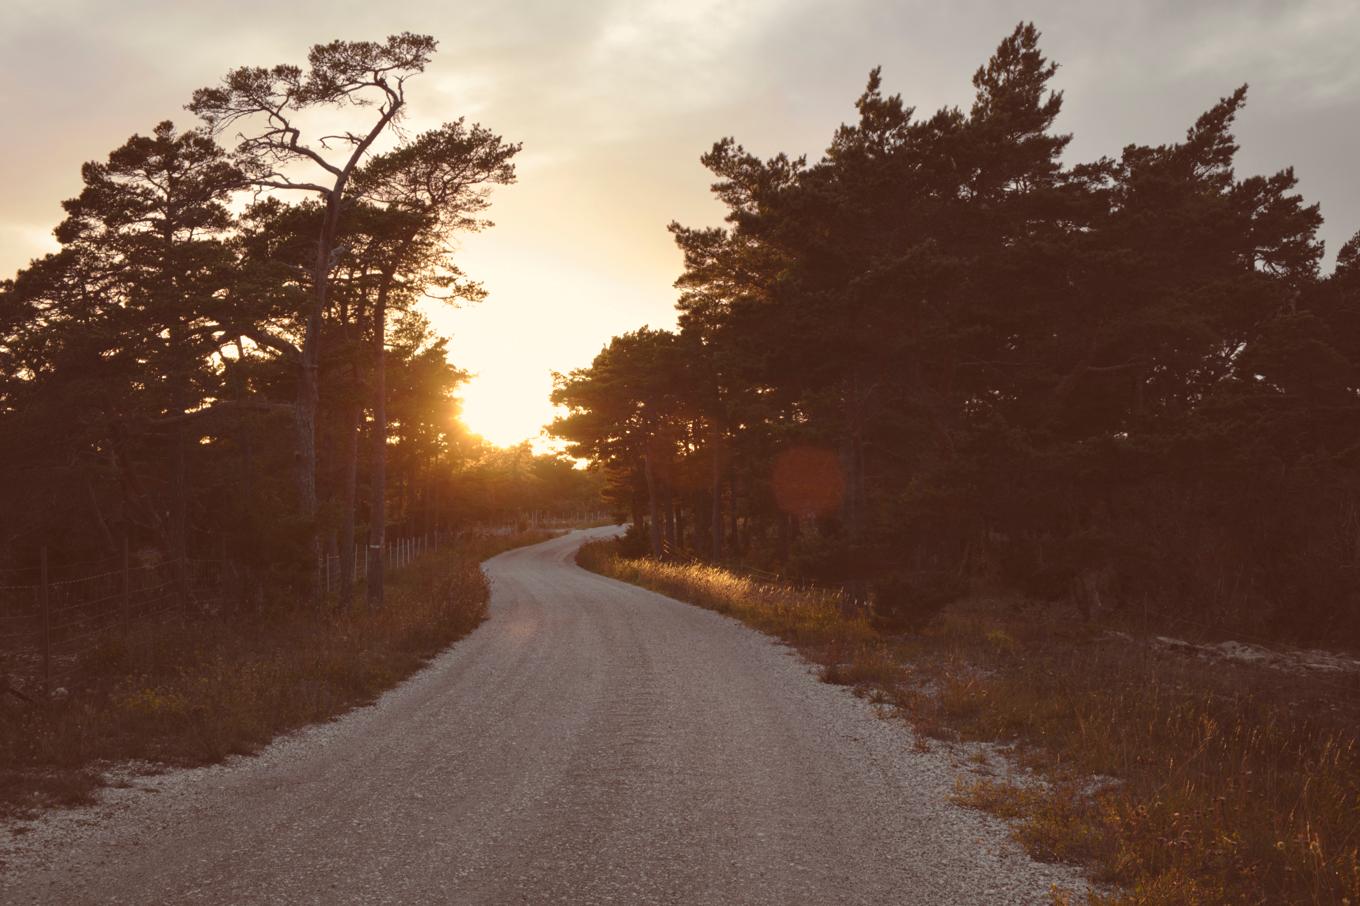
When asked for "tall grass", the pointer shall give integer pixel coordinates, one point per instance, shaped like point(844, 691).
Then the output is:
point(804, 614)
point(1215, 784)
point(194, 691)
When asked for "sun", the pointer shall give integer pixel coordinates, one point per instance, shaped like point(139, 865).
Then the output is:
point(507, 407)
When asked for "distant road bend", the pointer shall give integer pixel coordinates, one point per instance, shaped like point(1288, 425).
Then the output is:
point(591, 743)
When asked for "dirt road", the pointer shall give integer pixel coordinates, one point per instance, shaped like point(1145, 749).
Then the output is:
point(590, 743)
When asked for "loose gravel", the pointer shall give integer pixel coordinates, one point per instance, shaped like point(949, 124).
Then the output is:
point(592, 742)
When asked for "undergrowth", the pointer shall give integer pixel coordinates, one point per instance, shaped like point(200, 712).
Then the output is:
point(194, 691)
point(1213, 784)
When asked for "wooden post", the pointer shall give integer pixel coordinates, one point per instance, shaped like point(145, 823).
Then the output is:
point(46, 600)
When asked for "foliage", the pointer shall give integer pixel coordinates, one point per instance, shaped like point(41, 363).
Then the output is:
point(941, 355)
point(213, 369)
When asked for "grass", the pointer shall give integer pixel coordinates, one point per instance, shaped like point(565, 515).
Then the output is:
point(195, 691)
point(1218, 784)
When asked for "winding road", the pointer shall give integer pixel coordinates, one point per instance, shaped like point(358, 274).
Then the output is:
point(592, 742)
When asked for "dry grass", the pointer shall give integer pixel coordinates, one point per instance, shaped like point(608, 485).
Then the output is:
point(804, 615)
point(1226, 784)
point(195, 691)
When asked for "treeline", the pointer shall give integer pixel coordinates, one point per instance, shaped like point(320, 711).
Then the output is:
point(941, 359)
point(224, 359)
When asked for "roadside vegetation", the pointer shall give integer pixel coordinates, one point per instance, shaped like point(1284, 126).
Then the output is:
point(193, 691)
point(942, 354)
point(1036, 413)
point(1175, 781)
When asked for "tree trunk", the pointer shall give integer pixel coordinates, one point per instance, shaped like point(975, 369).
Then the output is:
point(178, 522)
point(852, 465)
point(715, 516)
point(309, 390)
point(670, 516)
point(653, 508)
point(377, 507)
point(110, 545)
point(732, 524)
point(637, 510)
point(179, 495)
point(134, 492)
point(349, 493)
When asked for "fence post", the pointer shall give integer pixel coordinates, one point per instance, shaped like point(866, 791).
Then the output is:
point(125, 599)
point(46, 601)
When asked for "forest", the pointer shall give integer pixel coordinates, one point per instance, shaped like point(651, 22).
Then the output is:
point(944, 358)
point(226, 360)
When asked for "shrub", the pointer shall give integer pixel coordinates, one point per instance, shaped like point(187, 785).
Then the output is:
point(905, 602)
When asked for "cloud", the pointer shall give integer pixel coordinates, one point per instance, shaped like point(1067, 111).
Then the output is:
point(616, 99)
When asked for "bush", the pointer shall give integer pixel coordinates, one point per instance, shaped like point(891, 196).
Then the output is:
point(634, 543)
point(904, 602)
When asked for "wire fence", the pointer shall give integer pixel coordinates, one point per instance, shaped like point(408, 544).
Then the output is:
point(394, 554)
point(46, 624)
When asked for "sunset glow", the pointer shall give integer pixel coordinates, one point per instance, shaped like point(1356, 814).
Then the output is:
point(614, 107)
point(506, 408)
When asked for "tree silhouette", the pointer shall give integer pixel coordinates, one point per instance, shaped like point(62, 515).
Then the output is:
point(348, 73)
point(1109, 384)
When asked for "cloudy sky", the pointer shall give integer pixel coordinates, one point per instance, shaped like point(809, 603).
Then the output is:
point(614, 101)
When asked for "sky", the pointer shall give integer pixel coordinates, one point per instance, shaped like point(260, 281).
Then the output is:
point(614, 102)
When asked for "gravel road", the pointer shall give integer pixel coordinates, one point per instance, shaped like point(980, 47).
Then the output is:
point(591, 743)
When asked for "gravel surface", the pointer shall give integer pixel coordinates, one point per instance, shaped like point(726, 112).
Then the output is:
point(591, 743)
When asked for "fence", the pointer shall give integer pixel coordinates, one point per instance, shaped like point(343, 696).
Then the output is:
point(50, 616)
point(395, 554)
